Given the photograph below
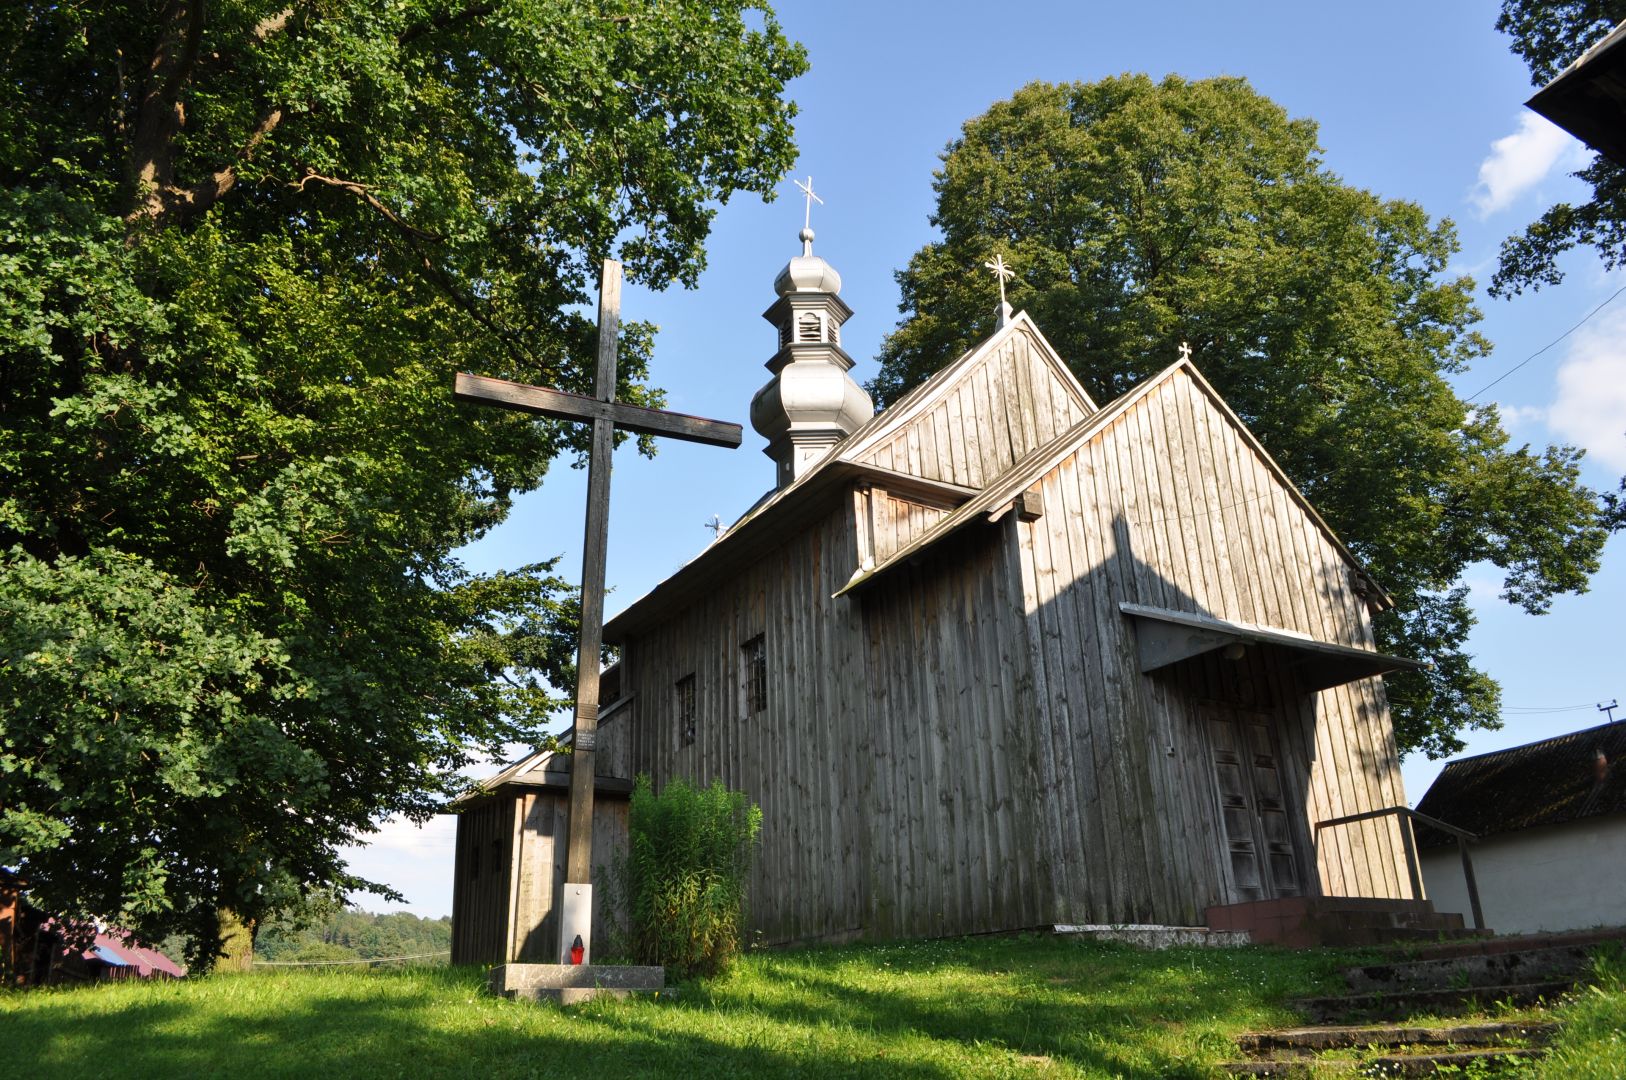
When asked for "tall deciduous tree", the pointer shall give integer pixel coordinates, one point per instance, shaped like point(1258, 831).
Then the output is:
point(1140, 214)
point(243, 247)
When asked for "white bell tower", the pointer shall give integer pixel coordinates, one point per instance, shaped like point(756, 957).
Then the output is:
point(811, 403)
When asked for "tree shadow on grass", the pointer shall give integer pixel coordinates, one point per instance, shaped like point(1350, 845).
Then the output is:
point(442, 1027)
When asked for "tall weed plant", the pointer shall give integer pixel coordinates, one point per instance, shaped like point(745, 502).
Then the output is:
point(688, 857)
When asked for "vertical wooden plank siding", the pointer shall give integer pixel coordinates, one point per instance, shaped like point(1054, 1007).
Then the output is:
point(991, 414)
point(480, 897)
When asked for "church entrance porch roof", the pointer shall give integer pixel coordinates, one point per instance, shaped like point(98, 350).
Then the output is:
point(1166, 637)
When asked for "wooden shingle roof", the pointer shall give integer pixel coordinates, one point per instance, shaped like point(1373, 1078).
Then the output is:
point(1541, 783)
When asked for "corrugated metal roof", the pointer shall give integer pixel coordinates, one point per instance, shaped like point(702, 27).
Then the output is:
point(1541, 783)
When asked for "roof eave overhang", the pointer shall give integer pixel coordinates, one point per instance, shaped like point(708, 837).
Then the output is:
point(1588, 98)
point(612, 787)
point(1165, 637)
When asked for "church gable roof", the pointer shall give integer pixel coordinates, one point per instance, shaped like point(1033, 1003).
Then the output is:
point(971, 421)
point(997, 497)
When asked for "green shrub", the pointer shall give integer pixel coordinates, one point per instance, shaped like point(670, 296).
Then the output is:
point(688, 856)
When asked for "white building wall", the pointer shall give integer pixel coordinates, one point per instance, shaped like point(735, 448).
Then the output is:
point(1558, 877)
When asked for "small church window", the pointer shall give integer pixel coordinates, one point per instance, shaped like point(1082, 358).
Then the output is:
point(784, 334)
point(684, 689)
point(809, 327)
point(754, 675)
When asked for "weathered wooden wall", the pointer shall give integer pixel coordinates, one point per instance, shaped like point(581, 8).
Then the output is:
point(889, 521)
point(480, 890)
point(952, 802)
point(510, 869)
point(1169, 506)
point(799, 759)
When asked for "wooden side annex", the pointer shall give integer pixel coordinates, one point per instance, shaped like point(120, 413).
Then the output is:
point(510, 860)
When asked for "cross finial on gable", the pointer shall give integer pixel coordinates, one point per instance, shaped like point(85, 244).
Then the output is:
point(1004, 274)
point(1185, 351)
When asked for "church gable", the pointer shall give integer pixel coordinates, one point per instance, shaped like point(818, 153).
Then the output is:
point(1174, 458)
point(969, 424)
point(1197, 518)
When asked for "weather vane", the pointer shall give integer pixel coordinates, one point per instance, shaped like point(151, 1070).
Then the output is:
point(1004, 274)
point(807, 189)
point(1185, 351)
point(716, 526)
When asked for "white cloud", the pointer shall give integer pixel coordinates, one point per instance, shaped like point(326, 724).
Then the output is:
point(1518, 416)
point(1590, 407)
point(1520, 161)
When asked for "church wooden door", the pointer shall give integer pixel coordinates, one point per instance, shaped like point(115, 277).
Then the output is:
point(1254, 810)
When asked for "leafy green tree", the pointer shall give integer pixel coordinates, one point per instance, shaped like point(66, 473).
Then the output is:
point(243, 247)
point(1139, 214)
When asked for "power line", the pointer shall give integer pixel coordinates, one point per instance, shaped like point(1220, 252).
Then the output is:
point(1547, 346)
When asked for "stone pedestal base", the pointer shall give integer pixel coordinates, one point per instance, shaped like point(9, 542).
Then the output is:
point(571, 983)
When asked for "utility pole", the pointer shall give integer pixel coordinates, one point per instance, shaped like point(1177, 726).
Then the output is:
point(1608, 710)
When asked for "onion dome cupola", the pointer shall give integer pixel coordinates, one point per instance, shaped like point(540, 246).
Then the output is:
point(811, 403)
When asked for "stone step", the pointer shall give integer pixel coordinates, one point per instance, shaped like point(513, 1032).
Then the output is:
point(1471, 969)
point(1402, 1004)
point(1311, 1040)
point(1491, 945)
point(1334, 935)
point(1393, 1065)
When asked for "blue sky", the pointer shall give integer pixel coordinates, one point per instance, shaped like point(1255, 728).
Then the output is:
point(1420, 101)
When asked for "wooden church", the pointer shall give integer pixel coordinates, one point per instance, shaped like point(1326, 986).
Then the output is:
point(997, 657)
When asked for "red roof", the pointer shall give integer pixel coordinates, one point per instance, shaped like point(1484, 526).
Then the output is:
point(115, 947)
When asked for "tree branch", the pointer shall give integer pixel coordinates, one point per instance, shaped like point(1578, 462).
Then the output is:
point(186, 203)
point(364, 192)
point(444, 20)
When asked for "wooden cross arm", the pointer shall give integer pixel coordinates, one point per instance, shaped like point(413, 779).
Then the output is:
point(563, 406)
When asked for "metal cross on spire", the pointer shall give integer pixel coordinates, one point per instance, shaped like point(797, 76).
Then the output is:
point(1185, 351)
point(807, 189)
point(1004, 274)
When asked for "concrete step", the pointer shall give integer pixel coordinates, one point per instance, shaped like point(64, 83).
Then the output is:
point(1349, 921)
point(1313, 1040)
point(1473, 969)
point(1402, 1004)
point(1485, 1061)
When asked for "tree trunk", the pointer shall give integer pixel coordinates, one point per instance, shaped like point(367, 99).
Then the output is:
point(236, 942)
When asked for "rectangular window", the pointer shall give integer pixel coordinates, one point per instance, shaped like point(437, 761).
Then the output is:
point(754, 675)
point(685, 707)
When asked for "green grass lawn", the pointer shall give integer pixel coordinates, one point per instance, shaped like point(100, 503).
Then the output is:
point(1023, 1006)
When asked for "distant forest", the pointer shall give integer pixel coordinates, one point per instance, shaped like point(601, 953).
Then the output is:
point(345, 934)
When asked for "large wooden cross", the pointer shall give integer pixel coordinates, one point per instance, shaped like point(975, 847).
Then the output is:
point(605, 414)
